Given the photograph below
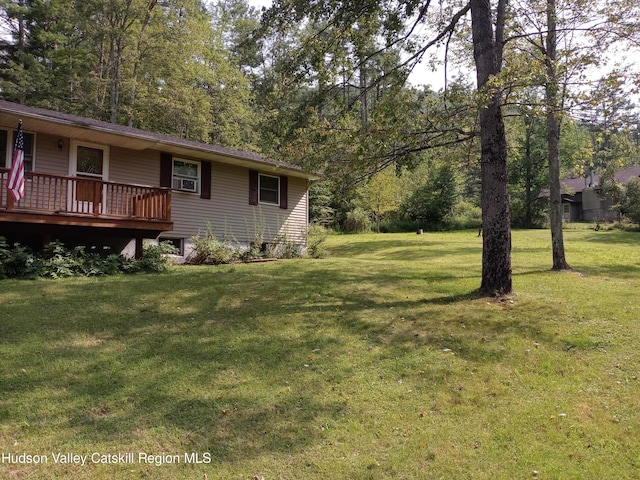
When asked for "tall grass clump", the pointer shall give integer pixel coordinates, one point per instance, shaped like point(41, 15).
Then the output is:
point(209, 250)
point(316, 245)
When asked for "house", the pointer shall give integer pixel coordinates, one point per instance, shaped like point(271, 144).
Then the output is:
point(581, 198)
point(109, 187)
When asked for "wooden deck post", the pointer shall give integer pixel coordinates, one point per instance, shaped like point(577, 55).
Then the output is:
point(139, 248)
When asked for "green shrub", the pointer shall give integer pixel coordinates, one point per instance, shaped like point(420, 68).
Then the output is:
point(155, 258)
point(56, 261)
point(631, 200)
point(397, 223)
point(357, 221)
point(466, 215)
point(284, 249)
point(431, 206)
point(4, 254)
point(208, 250)
point(19, 262)
point(317, 236)
point(249, 253)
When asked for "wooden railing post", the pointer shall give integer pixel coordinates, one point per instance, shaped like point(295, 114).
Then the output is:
point(97, 197)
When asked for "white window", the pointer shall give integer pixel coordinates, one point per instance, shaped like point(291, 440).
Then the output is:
point(186, 175)
point(89, 160)
point(269, 189)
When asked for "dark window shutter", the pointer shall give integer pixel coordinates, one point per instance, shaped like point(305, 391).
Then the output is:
point(284, 192)
point(166, 169)
point(205, 173)
point(253, 187)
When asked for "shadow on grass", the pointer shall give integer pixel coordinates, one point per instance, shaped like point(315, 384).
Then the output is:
point(450, 299)
point(620, 238)
point(225, 360)
point(619, 271)
point(397, 249)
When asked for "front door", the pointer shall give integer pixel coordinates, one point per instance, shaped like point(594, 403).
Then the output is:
point(90, 164)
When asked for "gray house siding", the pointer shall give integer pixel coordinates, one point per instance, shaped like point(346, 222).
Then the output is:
point(591, 205)
point(229, 215)
point(48, 157)
point(127, 166)
point(228, 212)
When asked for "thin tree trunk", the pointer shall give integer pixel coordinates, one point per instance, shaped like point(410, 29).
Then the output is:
point(553, 142)
point(528, 171)
point(115, 59)
point(496, 222)
point(136, 67)
point(364, 104)
point(22, 45)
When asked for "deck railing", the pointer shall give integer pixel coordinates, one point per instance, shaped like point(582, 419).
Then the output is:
point(63, 195)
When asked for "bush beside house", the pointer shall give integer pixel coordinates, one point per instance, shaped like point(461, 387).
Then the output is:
point(57, 261)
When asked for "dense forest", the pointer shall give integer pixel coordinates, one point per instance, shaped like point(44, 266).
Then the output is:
point(328, 85)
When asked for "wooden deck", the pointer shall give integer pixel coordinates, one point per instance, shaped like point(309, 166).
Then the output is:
point(74, 201)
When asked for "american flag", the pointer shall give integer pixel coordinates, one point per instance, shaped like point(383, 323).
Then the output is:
point(16, 173)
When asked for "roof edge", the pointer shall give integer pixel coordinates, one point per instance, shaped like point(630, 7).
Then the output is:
point(156, 140)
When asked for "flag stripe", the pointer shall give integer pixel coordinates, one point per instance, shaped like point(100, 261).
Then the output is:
point(16, 173)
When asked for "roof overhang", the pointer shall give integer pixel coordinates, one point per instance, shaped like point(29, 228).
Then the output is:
point(70, 126)
point(33, 122)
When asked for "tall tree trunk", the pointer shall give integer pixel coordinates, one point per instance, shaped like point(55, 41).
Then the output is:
point(496, 221)
point(553, 141)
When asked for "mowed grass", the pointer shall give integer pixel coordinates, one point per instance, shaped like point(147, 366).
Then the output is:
point(376, 362)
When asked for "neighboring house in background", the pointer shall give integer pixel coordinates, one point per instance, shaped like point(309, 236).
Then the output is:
point(109, 186)
point(581, 200)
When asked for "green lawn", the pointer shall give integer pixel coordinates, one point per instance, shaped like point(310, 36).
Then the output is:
point(376, 362)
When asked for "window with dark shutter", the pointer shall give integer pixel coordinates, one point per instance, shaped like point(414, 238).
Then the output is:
point(268, 189)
